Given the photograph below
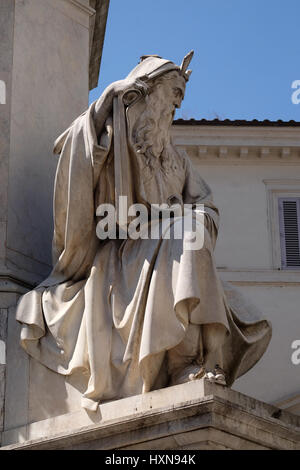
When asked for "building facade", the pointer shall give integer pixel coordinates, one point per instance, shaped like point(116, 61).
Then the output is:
point(253, 169)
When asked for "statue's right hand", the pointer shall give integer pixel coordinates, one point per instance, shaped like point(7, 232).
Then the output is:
point(129, 89)
point(128, 85)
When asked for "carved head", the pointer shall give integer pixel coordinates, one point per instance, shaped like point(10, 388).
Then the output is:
point(151, 133)
point(152, 117)
point(170, 87)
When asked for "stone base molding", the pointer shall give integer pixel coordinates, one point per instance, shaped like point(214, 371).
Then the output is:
point(195, 415)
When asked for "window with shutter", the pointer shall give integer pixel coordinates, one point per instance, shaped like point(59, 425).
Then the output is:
point(289, 220)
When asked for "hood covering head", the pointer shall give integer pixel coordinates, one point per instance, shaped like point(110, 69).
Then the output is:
point(151, 66)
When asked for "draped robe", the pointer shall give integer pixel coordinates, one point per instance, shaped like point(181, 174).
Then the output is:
point(111, 310)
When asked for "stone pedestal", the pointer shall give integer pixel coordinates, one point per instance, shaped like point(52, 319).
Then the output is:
point(196, 415)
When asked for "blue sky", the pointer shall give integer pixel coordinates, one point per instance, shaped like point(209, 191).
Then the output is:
point(247, 52)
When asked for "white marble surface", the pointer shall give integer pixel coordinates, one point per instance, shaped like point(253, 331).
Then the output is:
point(51, 394)
point(195, 415)
point(275, 376)
point(6, 24)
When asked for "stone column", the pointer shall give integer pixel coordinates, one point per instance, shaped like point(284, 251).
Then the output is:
point(6, 57)
point(44, 86)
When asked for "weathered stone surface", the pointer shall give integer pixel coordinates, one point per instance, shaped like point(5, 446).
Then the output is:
point(17, 377)
point(2, 391)
point(6, 57)
point(196, 415)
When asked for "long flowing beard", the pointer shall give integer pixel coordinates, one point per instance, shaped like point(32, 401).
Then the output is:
point(151, 133)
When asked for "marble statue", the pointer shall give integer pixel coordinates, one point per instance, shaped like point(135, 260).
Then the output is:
point(134, 315)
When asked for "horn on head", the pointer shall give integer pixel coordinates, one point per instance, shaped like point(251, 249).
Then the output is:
point(185, 63)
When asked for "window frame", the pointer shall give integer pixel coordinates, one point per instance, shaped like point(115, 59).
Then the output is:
point(281, 200)
point(279, 189)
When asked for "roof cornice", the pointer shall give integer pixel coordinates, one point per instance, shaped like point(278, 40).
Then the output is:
point(242, 143)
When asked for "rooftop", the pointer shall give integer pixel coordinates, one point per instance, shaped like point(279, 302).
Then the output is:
point(236, 122)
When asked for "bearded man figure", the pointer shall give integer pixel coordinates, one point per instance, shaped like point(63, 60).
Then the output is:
point(133, 315)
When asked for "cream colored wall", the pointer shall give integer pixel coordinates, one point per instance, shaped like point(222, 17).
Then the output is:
point(275, 377)
point(243, 255)
point(241, 196)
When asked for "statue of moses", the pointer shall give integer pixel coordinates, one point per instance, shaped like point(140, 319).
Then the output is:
point(131, 315)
